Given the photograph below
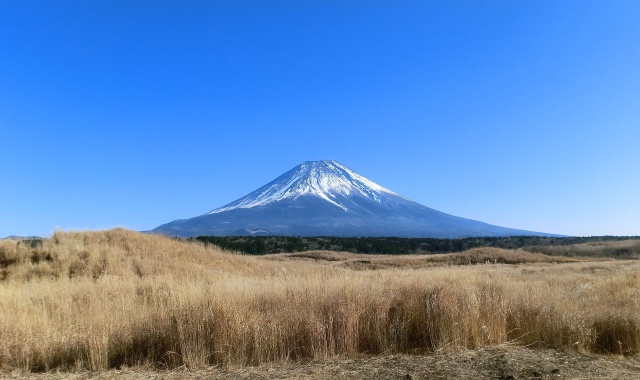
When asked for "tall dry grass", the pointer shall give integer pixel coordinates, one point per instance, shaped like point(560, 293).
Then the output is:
point(118, 298)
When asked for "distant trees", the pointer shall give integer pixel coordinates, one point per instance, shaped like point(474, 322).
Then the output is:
point(260, 245)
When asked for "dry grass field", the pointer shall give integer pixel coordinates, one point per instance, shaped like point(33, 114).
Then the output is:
point(119, 299)
point(623, 249)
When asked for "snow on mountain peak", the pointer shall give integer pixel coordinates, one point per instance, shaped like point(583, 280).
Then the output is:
point(328, 180)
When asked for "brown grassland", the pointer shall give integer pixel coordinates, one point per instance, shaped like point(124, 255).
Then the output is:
point(120, 299)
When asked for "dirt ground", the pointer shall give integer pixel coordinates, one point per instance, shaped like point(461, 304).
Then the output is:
point(505, 363)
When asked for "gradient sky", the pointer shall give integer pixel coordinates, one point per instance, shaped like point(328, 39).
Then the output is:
point(524, 114)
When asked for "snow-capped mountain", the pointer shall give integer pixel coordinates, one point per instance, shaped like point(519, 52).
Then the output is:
point(328, 180)
point(325, 198)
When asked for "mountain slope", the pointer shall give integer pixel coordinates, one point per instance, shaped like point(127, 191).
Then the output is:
point(328, 180)
point(326, 198)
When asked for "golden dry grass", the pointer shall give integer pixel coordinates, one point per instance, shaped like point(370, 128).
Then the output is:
point(97, 300)
point(490, 363)
point(624, 249)
point(473, 256)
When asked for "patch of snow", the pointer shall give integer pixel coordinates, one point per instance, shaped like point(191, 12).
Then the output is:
point(324, 179)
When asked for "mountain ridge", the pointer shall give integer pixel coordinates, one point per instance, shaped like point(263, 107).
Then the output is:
point(320, 178)
point(325, 198)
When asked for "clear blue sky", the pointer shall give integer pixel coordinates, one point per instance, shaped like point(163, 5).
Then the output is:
point(524, 114)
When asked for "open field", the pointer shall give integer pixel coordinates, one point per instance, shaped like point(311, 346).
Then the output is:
point(120, 299)
point(470, 257)
point(624, 249)
point(501, 362)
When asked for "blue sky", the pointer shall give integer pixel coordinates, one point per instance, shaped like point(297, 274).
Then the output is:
point(524, 114)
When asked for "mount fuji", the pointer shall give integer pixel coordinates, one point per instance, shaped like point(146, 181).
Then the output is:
point(325, 198)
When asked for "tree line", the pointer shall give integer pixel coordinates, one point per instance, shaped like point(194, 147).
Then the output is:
point(261, 245)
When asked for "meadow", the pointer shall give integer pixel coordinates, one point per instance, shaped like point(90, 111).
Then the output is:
point(121, 299)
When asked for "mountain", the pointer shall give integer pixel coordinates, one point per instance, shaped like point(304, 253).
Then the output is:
point(15, 237)
point(325, 198)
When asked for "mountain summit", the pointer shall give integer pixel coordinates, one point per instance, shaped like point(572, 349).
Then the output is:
point(327, 180)
point(325, 198)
